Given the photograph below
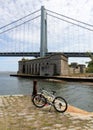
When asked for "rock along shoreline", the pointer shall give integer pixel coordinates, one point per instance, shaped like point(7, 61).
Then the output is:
point(64, 78)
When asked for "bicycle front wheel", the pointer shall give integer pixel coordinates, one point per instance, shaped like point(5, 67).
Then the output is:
point(60, 104)
point(39, 100)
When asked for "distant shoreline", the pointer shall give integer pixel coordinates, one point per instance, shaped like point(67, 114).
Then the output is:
point(13, 72)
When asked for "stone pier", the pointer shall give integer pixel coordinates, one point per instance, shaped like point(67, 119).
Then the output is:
point(18, 113)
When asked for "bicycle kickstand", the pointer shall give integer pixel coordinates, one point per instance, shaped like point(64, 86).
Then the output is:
point(50, 109)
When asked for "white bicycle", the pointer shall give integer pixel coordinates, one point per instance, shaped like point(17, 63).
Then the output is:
point(45, 97)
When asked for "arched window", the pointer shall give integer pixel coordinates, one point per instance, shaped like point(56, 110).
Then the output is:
point(23, 71)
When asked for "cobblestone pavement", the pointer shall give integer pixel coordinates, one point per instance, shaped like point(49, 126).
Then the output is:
point(18, 113)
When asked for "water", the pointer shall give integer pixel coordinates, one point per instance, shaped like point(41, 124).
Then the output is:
point(77, 94)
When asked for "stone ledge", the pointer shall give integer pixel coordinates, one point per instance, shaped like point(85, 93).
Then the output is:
point(18, 112)
point(76, 110)
point(70, 109)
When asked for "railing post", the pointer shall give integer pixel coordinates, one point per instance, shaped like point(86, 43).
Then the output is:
point(34, 88)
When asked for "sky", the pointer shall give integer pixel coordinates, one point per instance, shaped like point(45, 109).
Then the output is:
point(11, 10)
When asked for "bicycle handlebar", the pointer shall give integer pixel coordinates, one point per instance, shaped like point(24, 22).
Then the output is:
point(48, 93)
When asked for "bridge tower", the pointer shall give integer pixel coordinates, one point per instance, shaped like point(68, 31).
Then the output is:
point(43, 42)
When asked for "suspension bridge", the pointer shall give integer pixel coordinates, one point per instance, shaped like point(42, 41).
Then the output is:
point(45, 32)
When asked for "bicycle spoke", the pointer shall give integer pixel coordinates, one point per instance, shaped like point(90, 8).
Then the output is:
point(39, 100)
point(60, 104)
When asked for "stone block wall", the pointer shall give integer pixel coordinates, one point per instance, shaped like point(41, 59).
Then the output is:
point(48, 66)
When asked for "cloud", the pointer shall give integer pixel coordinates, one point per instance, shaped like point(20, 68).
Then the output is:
point(19, 8)
point(60, 34)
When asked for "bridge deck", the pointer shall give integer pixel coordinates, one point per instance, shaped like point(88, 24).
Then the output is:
point(37, 54)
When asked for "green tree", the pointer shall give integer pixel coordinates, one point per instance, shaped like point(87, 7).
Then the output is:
point(90, 67)
point(90, 64)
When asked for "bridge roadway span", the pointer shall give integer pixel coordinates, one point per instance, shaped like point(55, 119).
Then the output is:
point(37, 54)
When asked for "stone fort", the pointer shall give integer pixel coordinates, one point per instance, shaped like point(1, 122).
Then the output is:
point(53, 65)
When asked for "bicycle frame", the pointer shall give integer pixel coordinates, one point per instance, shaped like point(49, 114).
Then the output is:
point(43, 98)
point(49, 97)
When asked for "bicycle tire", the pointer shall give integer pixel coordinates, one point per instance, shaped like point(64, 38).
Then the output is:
point(39, 100)
point(60, 104)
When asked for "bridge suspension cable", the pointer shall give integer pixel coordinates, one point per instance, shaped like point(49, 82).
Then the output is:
point(70, 22)
point(19, 24)
point(19, 35)
point(74, 35)
point(19, 19)
point(70, 18)
point(65, 34)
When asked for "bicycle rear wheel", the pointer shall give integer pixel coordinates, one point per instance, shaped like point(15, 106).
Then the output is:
point(60, 104)
point(39, 100)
